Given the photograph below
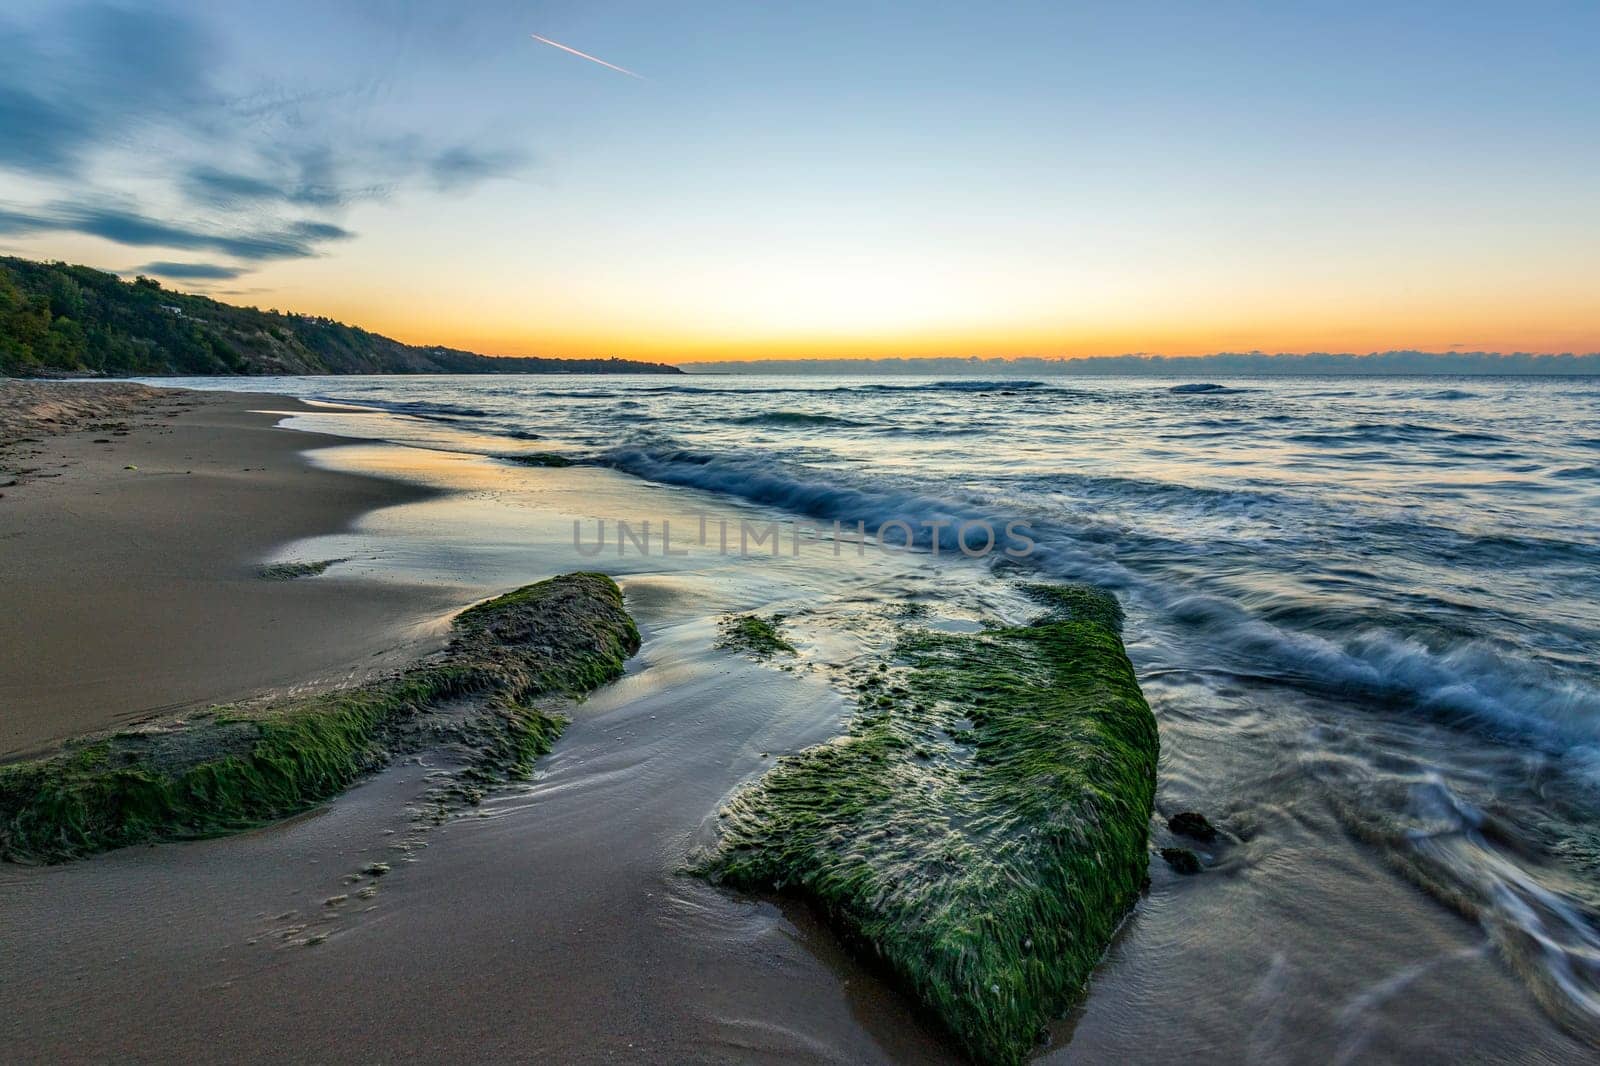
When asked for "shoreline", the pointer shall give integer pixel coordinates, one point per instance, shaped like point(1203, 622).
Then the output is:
point(229, 769)
point(579, 871)
point(117, 882)
point(134, 543)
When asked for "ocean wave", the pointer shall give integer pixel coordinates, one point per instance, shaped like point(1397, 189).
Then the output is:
point(415, 408)
point(1392, 433)
point(1470, 683)
point(998, 385)
point(938, 430)
point(1478, 864)
point(792, 418)
point(1156, 495)
point(1205, 388)
point(808, 493)
point(976, 385)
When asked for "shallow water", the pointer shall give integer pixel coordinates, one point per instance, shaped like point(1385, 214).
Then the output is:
point(1362, 610)
point(557, 919)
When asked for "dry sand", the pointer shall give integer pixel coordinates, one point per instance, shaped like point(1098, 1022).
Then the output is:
point(133, 524)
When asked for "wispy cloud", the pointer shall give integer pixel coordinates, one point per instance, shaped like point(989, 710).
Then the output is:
point(294, 240)
point(90, 71)
point(586, 55)
point(454, 168)
point(192, 271)
point(248, 171)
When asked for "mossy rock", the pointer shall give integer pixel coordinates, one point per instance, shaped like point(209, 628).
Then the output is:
point(981, 836)
point(233, 768)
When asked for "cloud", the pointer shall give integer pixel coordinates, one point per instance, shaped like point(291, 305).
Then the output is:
point(296, 240)
point(222, 187)
point(18, 223)
point(68, 85)
point(192, 271)
point(86, 91)
point(460, 166)
point(316, 176)
point(38, 137)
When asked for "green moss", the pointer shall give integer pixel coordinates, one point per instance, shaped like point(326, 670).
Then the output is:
point(290, 571)
point(540, 459)
point(231, 770)
point(1078, 602)
point(750, 633)
point(981, 836)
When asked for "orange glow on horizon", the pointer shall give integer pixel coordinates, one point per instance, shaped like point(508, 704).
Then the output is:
point(688, 318)
point(1520, 336)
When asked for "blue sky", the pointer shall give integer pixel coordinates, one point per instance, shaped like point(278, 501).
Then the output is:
point(872, 178)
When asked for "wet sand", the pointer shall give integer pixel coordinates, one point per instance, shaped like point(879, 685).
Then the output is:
point(557, 921)
point(126, 592)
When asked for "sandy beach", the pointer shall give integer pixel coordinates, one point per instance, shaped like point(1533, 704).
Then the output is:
point(133, 537)
point(849, 534)
point(557, 917)
point(579, 873)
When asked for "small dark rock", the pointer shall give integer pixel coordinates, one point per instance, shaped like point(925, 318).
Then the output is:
point(1192, 824)
point(1182, 860)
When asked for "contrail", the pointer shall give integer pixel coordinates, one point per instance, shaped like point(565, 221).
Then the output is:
point(586, 55)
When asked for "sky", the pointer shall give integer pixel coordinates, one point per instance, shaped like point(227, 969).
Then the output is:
point(829, 179)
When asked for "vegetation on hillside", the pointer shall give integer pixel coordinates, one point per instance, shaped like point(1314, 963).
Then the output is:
point(57, 317)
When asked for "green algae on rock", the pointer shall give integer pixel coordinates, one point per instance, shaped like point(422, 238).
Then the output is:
point(981, 828)
point(233, 768)
point(753, 634)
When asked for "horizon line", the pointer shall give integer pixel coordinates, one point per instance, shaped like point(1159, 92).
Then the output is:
point(1120, 356)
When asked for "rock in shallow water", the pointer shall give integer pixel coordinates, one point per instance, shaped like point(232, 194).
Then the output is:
point(1182, 860)
point(1192, 824)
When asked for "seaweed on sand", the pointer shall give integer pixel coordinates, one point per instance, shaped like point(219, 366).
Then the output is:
point(983, 832)
point(541, 459)
point(237, 768)
point(753, 634)
point(290, 571)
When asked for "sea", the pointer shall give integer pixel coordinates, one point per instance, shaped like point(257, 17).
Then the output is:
point(1364, 610)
